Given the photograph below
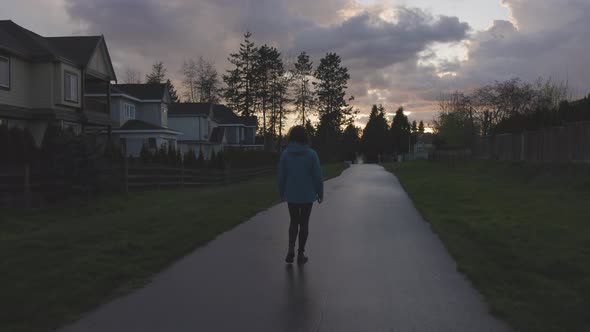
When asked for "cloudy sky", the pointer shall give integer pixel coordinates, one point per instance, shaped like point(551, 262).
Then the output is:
point(398, 52)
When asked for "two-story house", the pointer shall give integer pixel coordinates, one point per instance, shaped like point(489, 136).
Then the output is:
point(140, 116)
point(43, 79)
point(211, 127)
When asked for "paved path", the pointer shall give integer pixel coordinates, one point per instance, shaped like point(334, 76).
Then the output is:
point(375, 265)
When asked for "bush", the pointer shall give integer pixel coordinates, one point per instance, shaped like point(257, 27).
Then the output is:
point(239, 158)
point(200, 162)
point(17, 146)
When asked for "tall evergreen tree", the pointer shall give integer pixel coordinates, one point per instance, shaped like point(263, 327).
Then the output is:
point(311, 131)
point(421, 127)
point(351, 142)
point(333, 109)
point(304, 97)
point(375, 134)
point(265, 61)
point(158, 74)
point(172, 92)
point(400, 132)
point(240, 81)
point(414, 126)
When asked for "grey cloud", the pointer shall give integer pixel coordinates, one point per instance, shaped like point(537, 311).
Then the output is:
point(369, 41)
point(382, 56)
point(549, 40)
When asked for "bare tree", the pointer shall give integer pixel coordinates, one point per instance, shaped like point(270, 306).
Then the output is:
point(132, 76)
point(207, 81)
point(189, 72)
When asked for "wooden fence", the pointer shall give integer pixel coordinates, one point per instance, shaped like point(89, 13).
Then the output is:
point(23, 187)
point(141, 178)
point(568, 143)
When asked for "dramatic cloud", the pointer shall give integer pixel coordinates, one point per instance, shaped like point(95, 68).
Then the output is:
point(541, 40)
point(396, 55)
point(370, 41)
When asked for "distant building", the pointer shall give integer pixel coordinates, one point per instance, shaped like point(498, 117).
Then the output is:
point(211, 127)
point(424, 146)
point(140, 116)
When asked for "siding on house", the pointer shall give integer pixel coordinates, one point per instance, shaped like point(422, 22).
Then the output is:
point(249, 134)
point(99, 61)
point(18, 94)
point(152, 113)
point(189, 126)
point(40, 88)
point(232, 134)
point(116, 113)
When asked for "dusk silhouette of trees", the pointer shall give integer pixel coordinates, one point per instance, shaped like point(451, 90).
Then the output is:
point(375, 135)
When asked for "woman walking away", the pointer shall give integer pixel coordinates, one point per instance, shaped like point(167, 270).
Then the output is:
point(300, 184)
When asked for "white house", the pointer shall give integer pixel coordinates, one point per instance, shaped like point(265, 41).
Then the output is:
point(43, 80)
point(211, 127)
point(140, 116)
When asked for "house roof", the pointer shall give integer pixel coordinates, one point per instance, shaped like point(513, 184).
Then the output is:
point(139, 125)
point(224, 115)
point(151, 91)
point(20, 41)
point(250, 120)
point(142, 91)
point(77, 50)
point(221, 113)
point(197, 109)
point(217, 135)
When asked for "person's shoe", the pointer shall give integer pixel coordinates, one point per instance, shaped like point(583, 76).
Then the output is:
point(301, 258)
point(289, 258)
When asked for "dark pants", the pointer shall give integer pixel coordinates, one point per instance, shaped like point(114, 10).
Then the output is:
point(299, 224)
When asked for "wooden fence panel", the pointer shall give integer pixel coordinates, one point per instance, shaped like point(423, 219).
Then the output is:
point(569, 143)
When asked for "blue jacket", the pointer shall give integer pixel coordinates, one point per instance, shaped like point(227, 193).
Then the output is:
point(300, 175)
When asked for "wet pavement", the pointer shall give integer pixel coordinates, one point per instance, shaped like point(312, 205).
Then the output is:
point(374, 265)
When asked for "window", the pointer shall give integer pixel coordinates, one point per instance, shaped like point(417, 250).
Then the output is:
point(129, 112)
point(70, 87)
point(4, 72)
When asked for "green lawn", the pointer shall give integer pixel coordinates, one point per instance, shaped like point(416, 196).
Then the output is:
point(58, 263)
point(521, 234)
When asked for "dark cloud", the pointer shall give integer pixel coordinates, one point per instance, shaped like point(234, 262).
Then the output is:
point(368, 40)
point(392, 62)
point(546, 39)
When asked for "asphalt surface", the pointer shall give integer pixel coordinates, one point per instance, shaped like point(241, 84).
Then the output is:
point(375, 265)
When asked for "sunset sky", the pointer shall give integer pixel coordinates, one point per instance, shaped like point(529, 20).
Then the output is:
point(398, 52)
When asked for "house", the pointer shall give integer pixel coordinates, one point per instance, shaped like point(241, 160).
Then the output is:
point(43, 80)
point(211, 127)
point(140, 116)
point(424, 146)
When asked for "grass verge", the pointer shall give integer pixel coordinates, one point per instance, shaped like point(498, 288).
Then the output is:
point(58, 263)
point(520, 233)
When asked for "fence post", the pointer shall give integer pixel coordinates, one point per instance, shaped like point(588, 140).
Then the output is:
point(27, 189)
point(522, 145)
point(227, 173)
point(182, 175)
point(126, 175)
